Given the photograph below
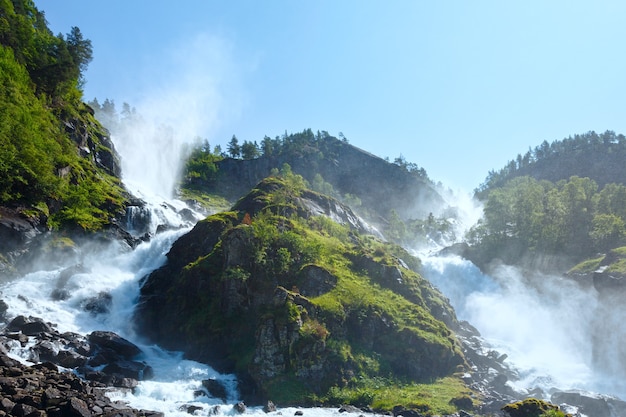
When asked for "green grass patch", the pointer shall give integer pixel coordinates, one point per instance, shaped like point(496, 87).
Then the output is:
point(381, 394)
point(620, 252)
point(587, 266)
point(210, 202)
point(618, 267)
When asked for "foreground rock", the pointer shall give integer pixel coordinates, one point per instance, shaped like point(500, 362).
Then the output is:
point(105, 360)
point(41, 390)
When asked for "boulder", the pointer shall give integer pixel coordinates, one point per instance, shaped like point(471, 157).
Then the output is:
point(115, 343)
point(99, 304)
point(314, 281)
point(42, 390)
point(215, 388)
point(29, 326)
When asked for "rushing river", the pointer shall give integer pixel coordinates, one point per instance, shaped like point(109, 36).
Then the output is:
point(117, 270)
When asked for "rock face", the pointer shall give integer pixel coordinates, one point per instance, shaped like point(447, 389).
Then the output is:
point(280, 296)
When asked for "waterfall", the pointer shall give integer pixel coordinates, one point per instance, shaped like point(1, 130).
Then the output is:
point(545, 324)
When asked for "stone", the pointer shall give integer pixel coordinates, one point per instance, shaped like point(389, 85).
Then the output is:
point(240, 407)
point(269, 407)
point(77, 407)
point(114, 342)
point(23, 410)
point(29, 326)
point(215, 388)
point(99, 304)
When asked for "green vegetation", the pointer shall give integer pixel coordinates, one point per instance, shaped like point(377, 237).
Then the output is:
point(436, 398)
point(41, 170)
point(210, 202)
point(532, 407)
point(571, 217)
point(613, 263)
point(311, 310)
point(599, 157)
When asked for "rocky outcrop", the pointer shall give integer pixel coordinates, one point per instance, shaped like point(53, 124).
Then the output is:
point(590, 404)
point(93, 142)
point(253, 291)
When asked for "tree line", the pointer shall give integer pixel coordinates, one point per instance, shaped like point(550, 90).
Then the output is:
point(597, 156)
point(573, 217)
point(55, 63)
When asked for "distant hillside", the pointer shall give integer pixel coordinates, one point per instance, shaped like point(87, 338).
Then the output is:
point(598, 157)
point(556, 205)
point(369, 184)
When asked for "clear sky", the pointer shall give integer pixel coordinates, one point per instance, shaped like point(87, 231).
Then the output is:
point(458, 87)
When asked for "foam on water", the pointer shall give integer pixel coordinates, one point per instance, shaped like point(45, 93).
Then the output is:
point(544, 324)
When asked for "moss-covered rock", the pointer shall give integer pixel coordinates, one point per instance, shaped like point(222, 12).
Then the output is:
point(532, 407)
point(295, 304)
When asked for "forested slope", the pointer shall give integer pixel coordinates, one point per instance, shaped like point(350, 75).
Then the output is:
point(58, 168)
point(566, 200)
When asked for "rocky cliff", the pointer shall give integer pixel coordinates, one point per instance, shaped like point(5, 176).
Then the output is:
point(287, 291)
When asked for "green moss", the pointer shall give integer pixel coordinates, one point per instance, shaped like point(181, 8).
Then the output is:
point(617, 267)
point(586, 267)
point(531, 407)
point(620, 252)
point(210, 202)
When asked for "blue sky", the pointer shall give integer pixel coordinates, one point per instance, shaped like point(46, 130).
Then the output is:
point(457, 87)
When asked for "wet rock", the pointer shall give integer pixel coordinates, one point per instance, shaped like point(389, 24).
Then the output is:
point(114, 342)
point(29, 326)
point(99, 304)
point(349, 409)
point(190, 409)
point(269, 407)
point(240, 407)
point(215, 388)
point(591, 404)
point(3, 309)
point(128, 369)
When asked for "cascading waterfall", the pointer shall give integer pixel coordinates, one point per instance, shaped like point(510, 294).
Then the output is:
point(545, 324)
point(117, 271)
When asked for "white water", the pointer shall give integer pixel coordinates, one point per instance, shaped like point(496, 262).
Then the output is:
point(545, 324)
point(117, 270)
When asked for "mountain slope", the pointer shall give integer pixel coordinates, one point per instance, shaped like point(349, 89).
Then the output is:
point(58, 167)
point(295, 303)
point(597, 156)
point(329, 165)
